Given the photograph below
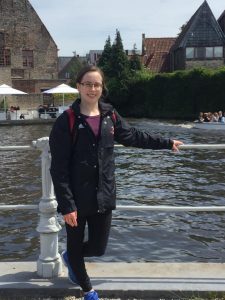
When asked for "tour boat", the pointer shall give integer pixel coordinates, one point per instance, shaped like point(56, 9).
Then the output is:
point(209, 125)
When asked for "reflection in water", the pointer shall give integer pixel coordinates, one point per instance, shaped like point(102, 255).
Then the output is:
point(143, 177)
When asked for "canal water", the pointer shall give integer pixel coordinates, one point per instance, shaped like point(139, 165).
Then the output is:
point(190, 177)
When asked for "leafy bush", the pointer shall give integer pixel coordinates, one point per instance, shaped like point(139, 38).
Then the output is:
point(180, 95)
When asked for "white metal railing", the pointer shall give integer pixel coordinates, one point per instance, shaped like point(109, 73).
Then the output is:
point(20, 206)
point(49, 263)
point(170, 208)
point(181, 147)
point(202, 146)
point(165, 208)
point(10, 148)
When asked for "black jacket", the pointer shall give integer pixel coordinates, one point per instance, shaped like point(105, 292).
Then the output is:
point(83, 170)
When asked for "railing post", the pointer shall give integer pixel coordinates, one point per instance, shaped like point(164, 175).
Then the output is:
point(49, 264)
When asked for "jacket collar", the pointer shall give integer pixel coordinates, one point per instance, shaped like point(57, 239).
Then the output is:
point(105, 108)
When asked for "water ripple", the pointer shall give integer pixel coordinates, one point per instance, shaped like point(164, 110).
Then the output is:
point(144, 177)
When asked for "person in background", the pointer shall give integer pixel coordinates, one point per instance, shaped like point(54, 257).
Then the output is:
point(201, 117)
point(206, 117)
point(82, 171)
point(215, 117)
point(220, 116)
point(12, 108)
point(41, 110)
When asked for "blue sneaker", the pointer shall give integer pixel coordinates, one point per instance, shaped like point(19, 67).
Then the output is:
point(91, 296)
point(66, 263)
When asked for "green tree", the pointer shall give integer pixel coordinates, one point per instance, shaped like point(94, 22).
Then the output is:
point(105, 60)
point(182, 28)
point(119, 60)
point(135, 63)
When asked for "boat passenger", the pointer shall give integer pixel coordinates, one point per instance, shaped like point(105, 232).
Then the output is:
point(215, 117)
point(206, 117)
point(200, 117)
point(220, 114)
point(223, 118)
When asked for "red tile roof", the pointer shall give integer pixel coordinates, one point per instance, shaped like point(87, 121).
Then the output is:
point(156, 56)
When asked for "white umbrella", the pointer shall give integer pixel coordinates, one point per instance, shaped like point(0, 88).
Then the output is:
point(8, 90)
point(62, 89)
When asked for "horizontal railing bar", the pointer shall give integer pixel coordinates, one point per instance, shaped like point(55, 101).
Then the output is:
point(193, 146)
point(170, 208)
point(19, 207)
point(201, 146)
point(135, 207)
point(181, 147)
point(10, 148)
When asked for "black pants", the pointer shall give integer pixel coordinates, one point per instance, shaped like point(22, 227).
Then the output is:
point(98, 233)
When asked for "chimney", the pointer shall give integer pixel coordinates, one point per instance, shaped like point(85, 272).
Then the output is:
point(143, 44)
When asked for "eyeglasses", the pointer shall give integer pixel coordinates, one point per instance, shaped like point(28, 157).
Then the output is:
point(90, 85)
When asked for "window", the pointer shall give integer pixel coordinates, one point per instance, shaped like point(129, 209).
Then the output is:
point(28, 59)
point(218, 51)
point(204, 52)
point(2, 40)
point(209, 52)
point(5, 57)
point(67, 75)
point(189, 52)
point(200, 52)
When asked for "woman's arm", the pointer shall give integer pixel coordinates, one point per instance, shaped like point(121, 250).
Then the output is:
point(60, 142)
point(131, 136)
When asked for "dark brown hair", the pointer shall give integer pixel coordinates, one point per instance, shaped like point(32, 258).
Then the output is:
point(91, 68)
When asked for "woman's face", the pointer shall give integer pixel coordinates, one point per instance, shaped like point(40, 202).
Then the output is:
point(90, 87)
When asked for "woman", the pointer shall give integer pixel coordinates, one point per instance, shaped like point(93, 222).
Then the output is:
point(82, 171)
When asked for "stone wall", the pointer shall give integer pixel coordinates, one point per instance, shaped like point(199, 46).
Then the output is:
point(216, 63)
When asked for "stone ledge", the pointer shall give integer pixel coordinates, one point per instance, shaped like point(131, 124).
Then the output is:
point(117, 280)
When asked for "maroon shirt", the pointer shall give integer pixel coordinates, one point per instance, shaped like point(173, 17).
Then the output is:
point(94, 123)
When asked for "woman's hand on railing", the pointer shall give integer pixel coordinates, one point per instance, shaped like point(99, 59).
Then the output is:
point(176, 145)
point(71, 219)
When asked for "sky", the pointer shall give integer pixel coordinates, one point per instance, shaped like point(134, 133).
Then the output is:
point(80, 26)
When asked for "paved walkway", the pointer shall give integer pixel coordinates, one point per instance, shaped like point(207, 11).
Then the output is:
point(117, 280)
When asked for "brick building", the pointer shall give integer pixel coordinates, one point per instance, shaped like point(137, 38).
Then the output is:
point(28, 53)
point(156, 53)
